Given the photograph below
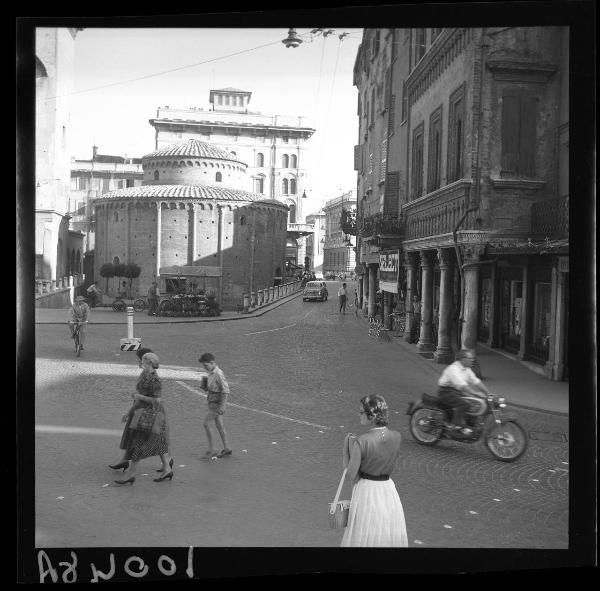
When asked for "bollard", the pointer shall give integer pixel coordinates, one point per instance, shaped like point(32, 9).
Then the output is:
point(261, 296)
point(271, 294)
point(129, 322)
point(246, 302)
point(53, 285)
point(253, 299)
point(278, 292)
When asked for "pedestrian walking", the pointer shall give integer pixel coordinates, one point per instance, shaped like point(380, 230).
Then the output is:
point(123, 463)
point(217, 389)
point(376, 516)
point(342, 296)
point(153, 299)
point(356, 302)
point(147, 433)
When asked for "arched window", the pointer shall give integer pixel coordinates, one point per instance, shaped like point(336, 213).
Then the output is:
point(116, 217)
point(259, 184)
point(284, 186)
point(218, 177)
point(243, 220)
point(294, 161)
point(293, 186)
point(285, 161)
point(116, 261)
point(156, 175)
point(260, 160)
point(233, 153)
point(292, 214)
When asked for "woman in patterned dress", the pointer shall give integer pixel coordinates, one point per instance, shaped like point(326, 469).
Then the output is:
point(376, 516)
point(141, 444)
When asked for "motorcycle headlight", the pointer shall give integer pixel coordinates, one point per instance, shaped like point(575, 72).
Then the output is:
point(501, 400)
point(502, 405)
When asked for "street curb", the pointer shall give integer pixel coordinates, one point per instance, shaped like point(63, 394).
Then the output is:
point(426, 363)
point(256, 314)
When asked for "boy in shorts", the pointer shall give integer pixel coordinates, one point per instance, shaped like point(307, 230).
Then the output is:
point(217, 389)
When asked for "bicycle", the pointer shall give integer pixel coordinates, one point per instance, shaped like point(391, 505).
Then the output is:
point(377, 330)
point(76, 328)
point(119, 304)
point(399, 323)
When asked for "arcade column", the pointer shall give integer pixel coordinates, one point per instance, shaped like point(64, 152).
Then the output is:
point(425, 337)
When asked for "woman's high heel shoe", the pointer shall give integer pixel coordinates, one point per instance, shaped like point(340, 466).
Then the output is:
point(130, 480)
point(120, 465)
point(168, 475)
point(170, 465)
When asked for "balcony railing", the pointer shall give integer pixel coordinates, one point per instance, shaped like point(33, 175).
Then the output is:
point(348, 222)
point(550, 218)
point(381, 226)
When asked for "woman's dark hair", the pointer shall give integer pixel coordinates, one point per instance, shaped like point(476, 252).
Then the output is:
point(206, 358)
point(376, 409)
point(141, 352)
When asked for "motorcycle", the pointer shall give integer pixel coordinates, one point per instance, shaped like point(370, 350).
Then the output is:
point(505, 439)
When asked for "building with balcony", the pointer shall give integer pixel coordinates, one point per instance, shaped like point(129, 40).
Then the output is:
point(56, 246)
point(464, 145)
point(338, 248)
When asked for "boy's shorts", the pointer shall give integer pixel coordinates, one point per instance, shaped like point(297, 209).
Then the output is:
point(217, 402)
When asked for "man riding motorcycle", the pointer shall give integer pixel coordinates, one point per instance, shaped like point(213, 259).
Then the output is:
point(456, 382)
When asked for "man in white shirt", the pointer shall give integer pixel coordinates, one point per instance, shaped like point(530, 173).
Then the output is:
point(342, 295)
point(457, 381)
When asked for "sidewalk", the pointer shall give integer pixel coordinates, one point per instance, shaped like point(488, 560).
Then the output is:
point(521, 383)
point(106, 315)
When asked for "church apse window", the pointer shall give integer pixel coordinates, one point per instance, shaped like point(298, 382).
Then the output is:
point(156, 175)
point(218, 177)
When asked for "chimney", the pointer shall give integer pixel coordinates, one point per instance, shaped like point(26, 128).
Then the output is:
point(94, 152)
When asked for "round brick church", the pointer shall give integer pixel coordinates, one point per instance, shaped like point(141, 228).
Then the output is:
point(191, 225)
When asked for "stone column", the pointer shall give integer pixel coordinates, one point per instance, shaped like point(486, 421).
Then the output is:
point(158, 239)
point(425, 337)
point(372, 291)
point(271, 294)
point(261, 296)
point(444, 353)
point(365, 286)
point(524, 306)
point(471, 299)
point(387, 308)
point(253, 299)
point(494, 324)
point(558, 368)
point(410, 262)
point(360, 291)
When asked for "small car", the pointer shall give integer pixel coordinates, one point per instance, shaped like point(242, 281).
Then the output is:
point(315, 290)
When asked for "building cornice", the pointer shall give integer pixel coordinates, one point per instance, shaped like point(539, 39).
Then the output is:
point(521, 70)
point(300, 131)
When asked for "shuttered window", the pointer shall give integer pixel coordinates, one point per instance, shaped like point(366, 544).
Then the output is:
point(518, 134)
point(357, 157)
point(435, 151)
point(392, 184)
point(456, 136)
point(383, 161)
point(417, 162)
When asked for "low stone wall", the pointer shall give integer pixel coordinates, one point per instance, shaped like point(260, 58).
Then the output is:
point(265, 297)
point(60, 293)
point(61, 298)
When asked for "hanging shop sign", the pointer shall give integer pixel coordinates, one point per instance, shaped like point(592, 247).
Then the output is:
point(389, 267)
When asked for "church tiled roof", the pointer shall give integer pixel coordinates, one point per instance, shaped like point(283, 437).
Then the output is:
point(208, 192)
point(194, 148)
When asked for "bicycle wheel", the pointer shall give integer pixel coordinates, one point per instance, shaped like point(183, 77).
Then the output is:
point(77, 344)
point(165, 307)
point(118, 305)
point(139, 305)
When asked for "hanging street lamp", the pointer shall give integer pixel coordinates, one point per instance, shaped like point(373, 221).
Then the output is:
point(292, 40)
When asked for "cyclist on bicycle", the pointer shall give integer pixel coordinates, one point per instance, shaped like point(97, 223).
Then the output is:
point(80, 312)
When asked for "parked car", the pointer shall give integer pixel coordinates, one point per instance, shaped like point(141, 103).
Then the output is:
point(315, 290)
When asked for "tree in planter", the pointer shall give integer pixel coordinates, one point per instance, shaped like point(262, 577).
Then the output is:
point(131, 272)
point(107, 270)
point(119, 272)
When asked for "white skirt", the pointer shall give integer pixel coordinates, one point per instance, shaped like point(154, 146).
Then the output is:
point(376, 517)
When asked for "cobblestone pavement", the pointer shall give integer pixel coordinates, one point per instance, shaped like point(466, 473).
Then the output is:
point(296, 374)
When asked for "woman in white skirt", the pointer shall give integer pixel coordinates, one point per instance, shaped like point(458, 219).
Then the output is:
point(376, 517)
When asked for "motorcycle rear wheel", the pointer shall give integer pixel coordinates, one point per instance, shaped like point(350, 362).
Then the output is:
point(506, 441)
point(426, 425)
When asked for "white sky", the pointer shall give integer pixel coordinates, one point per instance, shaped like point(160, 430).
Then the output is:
point(301, 81)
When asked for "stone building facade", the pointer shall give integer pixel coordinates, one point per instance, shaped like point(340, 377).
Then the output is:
point(463, 172)
point(184, 225)
point(55, 246)
point(272, 146)
point(315, 242)
point(338, 251)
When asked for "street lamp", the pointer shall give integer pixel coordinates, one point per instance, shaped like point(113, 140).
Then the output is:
point(292, 40)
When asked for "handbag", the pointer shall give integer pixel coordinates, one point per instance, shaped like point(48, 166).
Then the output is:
point(145, 419)
point(338, 510)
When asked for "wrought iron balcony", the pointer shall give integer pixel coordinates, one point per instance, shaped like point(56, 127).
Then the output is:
point(550, 218)
point(382, 228)
point(348, 222)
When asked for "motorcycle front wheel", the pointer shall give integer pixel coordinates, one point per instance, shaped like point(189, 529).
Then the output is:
point(506, 441)
point(426, 425)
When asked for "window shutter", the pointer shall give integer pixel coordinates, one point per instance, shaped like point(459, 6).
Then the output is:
point(356, 156)
point(392, 184)
point(510, 132)
point(527, 138)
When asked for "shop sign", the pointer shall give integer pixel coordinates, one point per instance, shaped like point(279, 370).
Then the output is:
point(389, 267)
point(563, 264)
